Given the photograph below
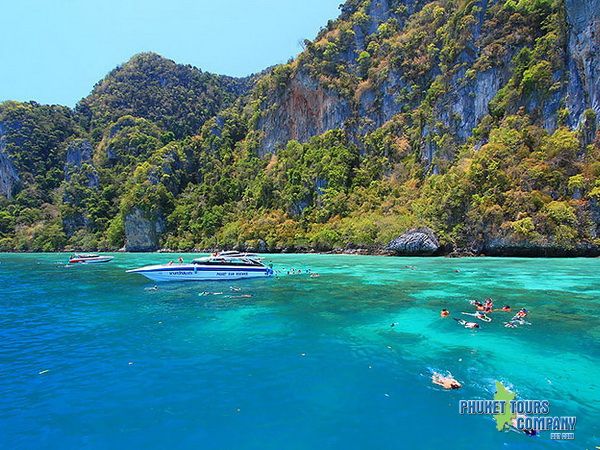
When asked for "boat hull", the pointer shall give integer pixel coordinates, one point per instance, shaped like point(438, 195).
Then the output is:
point(201, 273)
point(100, 260)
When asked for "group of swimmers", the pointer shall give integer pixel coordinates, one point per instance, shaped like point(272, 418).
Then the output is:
point(233, 289)
point(294, 271)
point(482, 309)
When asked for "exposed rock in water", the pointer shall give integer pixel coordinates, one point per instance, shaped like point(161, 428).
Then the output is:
point(141, 232)
point(416, 242)
point(9, 177)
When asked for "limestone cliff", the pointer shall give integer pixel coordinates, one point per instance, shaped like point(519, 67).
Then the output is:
point(583, 91)
point(327, 87)
point(142, 231)
point(9, 177)
point(303, 110)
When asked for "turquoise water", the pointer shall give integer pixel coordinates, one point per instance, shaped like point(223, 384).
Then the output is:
point(89, 358)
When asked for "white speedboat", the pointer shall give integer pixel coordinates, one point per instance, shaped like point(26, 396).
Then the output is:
point(212, 268)
point(89, 259)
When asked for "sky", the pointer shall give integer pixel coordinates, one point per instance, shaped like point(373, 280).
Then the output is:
point(54, 51)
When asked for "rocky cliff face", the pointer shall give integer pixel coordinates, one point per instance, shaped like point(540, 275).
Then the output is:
point(79, 153)
point(142, 233)
point(303, 110)
point(164, 176)
point(583, 91)
point(9, 177)
point(304, 107)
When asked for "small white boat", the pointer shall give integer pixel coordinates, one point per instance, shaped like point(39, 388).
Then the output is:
point(212, 268)
point(89, 259)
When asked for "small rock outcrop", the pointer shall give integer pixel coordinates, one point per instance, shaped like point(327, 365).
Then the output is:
point(415, 242)
point(142, 233)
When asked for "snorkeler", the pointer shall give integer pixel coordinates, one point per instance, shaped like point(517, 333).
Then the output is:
point(479, 315)
point(521, 314)
point(528, 431)
point(488, 306)
point(482, 316)
point(468, 325)
point(478, 305)
point(447, 382)
point(505, 308)
point(445, 313)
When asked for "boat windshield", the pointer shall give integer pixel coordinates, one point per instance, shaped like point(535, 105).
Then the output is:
point(225, 261)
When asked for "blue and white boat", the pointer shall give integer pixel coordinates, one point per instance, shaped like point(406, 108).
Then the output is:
point(212, 268)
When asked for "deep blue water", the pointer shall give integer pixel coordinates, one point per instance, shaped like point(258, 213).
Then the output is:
point(89, 358)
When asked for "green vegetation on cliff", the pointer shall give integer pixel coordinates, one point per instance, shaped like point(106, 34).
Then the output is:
point(448, 114)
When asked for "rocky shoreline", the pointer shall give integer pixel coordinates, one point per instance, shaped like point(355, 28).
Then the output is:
point(422, 242)
point(417, 242)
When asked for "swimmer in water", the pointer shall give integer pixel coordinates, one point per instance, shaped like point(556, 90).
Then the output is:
point(444, 313)
point(180, 260)
point(528, 431)
point(505, 308)
point(482, 316)
point(447, 382)
point(521, 314)
point(478, 305)
point(468, 325)
point(488, 306)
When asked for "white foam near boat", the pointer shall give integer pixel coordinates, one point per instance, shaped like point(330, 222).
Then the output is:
point(219, 266)
point(89, 259)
